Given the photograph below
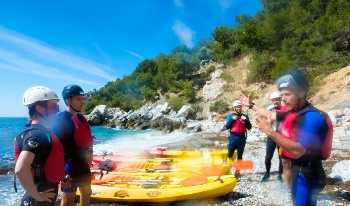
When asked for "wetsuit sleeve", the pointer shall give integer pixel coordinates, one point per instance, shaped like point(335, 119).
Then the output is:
point(229, 121)
point(64, 128)
point(313, 125)
point(37, 143)
point(248, 124)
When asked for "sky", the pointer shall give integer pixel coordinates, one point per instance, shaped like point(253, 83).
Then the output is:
point(90, 42)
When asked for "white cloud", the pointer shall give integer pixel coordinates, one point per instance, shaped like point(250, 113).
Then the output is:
point(178, 3)
point(225, 4)
point(43, 54)
point(184, 33)
point(14, 62)
point(134, 54)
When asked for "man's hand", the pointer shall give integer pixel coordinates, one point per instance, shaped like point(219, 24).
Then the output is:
point(243, 117)
point(45, 195)
point(234, 117)
point(66, 182)
point(246, 101)
point(261, 123)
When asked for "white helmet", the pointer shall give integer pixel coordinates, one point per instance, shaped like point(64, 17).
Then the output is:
point(237, 103)
point(38, 93)
point(274, 95)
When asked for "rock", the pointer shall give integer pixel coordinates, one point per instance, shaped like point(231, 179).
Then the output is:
point(341, 169)
point(186, 111)
point(97, 116)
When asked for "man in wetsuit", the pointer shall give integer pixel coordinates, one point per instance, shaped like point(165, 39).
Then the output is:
point(271, 146)
point(74, 132)
point(237, 123)
point(302, 136)
point(38, 153)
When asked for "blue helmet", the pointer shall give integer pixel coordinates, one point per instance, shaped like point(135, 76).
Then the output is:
point(72, 90)
point(293, 79)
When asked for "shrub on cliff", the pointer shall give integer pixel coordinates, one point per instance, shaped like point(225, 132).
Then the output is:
point(219, 106)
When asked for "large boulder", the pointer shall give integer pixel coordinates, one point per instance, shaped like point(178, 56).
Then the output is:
point(98, 115)
point(186, 111)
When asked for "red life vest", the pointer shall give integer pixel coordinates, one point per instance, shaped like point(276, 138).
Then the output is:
point(82, 134)
point(54, 165)
point(288, 131)
point(238, 126)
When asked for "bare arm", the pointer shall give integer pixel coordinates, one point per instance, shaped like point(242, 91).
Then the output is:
point(24, 174)
point(246, 101)
point(294, 148)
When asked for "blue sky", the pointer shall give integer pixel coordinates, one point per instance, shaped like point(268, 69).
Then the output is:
point(89, 42)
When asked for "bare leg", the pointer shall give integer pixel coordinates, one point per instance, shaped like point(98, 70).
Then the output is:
point(287, 172)
point(85, 195)
point(67, 198)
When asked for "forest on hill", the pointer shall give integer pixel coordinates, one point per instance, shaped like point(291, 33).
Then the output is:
point(309, 34)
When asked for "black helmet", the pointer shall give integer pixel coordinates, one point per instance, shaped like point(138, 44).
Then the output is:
point(294, 79)
point(72, 90)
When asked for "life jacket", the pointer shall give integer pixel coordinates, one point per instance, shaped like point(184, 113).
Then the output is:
point(276, 125)
point(53, 168)
point(238, 126)
point(288, 131)
point(82, 134)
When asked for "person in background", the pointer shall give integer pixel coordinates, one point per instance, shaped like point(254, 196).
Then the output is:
point(38, 152)
point(237, 123)
point(303, 136)
point(275, 98)
point(73, 130)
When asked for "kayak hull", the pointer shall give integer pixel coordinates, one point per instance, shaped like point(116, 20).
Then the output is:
point(138, 191)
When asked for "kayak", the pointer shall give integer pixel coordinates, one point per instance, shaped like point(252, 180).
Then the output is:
point(204, 162)
point(163, 188)
point(161, 153)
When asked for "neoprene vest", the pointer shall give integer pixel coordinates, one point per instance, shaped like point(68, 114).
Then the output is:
point(288, 130)
point(53, 167)
point(238, 126)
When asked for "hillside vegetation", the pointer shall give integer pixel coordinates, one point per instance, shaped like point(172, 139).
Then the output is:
point(309, 34)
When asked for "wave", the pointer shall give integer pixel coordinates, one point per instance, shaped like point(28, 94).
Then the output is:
point(137, 141)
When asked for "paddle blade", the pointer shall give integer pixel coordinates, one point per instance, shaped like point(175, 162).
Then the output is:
point(243, 165)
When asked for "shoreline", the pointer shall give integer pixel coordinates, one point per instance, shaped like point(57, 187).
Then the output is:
point(249, 189)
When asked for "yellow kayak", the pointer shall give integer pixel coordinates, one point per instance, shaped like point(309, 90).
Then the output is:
point(209, 163)
point(145, 188)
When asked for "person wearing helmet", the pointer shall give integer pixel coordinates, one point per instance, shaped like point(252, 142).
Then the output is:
point(38, 152)
point(302, 135)
point(237, 123)
point(73, 130)
point(275, 98)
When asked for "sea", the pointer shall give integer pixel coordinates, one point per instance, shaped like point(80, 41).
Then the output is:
point(107, 140)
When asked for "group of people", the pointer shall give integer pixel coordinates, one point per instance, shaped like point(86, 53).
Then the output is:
point(57, 149)
point(300, 132)
point(54, 148)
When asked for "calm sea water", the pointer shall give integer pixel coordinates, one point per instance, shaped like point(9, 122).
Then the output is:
point(107, 140)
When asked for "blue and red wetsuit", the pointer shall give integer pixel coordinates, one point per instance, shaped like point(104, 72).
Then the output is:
point(237, 138)
point(308, 129)
point(75, 135)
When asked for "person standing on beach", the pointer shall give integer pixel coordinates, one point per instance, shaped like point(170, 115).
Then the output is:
point(304, 136)
point(73, 130)
point(275, 98)
point(38, 152)
point(237, 123)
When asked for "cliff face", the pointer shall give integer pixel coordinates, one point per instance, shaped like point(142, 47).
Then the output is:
point(331, 92)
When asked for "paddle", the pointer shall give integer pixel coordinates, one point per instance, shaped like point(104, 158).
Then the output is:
point(243, 164)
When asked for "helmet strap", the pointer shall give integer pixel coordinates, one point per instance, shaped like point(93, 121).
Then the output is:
point(73, 108)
